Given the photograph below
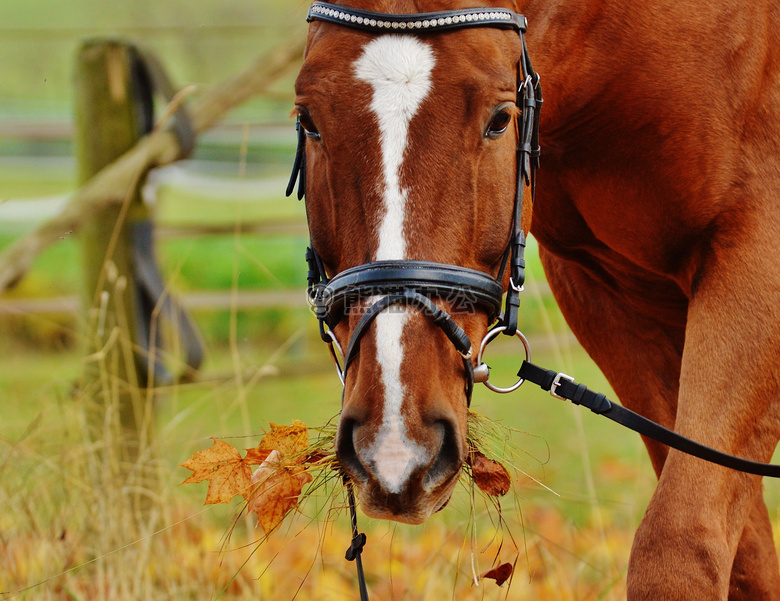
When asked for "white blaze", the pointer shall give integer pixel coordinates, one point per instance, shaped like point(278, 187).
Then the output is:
point(398, 69)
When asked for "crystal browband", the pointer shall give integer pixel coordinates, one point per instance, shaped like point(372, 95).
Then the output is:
point(438, 21)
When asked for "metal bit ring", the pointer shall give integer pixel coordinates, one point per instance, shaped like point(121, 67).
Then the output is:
point(485, 341)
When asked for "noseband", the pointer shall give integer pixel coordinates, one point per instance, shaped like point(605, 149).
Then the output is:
point(415, 283)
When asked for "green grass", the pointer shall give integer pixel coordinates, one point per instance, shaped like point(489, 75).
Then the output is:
point(551, 436)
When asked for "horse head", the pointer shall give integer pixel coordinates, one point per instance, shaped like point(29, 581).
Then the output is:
point(408, 146)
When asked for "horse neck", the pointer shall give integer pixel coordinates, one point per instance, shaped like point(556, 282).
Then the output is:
point(574, 45)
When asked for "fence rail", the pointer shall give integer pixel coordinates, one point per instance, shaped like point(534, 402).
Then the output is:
point(240, 300)
point(62, 130)
point(224, 31)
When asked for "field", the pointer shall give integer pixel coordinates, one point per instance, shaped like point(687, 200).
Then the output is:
point(579, 488)
point(579, 484)
point(79, 523)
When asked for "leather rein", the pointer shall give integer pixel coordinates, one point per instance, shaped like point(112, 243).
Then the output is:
point(415, 283)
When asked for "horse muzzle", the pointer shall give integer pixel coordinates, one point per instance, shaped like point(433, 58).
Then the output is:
point(399, 477)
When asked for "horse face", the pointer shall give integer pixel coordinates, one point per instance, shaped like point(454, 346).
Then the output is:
point(410, 155)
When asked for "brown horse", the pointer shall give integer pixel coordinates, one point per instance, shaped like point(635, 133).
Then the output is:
point(658, 228)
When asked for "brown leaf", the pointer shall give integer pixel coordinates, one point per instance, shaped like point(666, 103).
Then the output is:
point(491, 477)
point(256, 456)
point(290, 441)
point(228, 474)
point(500, 574)
point(316, 456)
point(278, 482)
point(277, 490)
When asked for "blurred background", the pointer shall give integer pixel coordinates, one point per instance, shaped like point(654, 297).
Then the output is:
point(77, 524)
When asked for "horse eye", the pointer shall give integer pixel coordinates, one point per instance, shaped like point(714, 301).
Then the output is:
point(308, 125)
point(498, 124)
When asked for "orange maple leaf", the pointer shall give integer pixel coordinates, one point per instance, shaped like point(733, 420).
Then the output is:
point(491, 477)
point(256, 456)
point(290, 441)
point(275, 487)
point(277, 490)
point(228, 474)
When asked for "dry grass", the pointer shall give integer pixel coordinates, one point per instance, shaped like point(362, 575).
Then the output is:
point(78, 524)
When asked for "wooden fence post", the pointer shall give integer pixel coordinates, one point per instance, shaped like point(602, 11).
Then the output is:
point(158, 148)
point(124, 293)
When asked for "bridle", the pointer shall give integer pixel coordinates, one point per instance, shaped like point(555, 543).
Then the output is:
point(416, 283)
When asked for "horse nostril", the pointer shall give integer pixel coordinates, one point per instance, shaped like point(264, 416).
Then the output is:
point(345, 450)
point(400, 467)
point(448, 460)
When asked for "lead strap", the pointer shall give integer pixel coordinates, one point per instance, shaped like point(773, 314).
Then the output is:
point(562, 386)
point(358, 542)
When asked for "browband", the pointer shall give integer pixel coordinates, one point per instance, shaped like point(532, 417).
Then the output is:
point(418, 22)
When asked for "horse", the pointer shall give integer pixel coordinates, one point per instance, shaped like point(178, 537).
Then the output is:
point(655, 215)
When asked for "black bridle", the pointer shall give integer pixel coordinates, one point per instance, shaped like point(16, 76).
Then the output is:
point(415, 283)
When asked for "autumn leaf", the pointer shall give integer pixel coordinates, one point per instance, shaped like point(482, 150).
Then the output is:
point(275, 487)
point(500, 574)
point(277, 490)
point(222, 465)
point(491, 477)
point(290, 441)
point(256, 456)
point(281, 477)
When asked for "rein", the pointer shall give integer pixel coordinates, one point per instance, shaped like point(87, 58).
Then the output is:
point(564, 387)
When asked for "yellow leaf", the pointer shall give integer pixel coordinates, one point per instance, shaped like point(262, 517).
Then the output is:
point(256, 456)
point(290, 441)
point(223, 467)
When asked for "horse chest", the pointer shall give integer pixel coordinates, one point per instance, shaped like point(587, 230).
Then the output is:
point(631, 231)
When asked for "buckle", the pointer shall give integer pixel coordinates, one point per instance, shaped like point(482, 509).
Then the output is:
point(557, 382)
point(514, 286)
